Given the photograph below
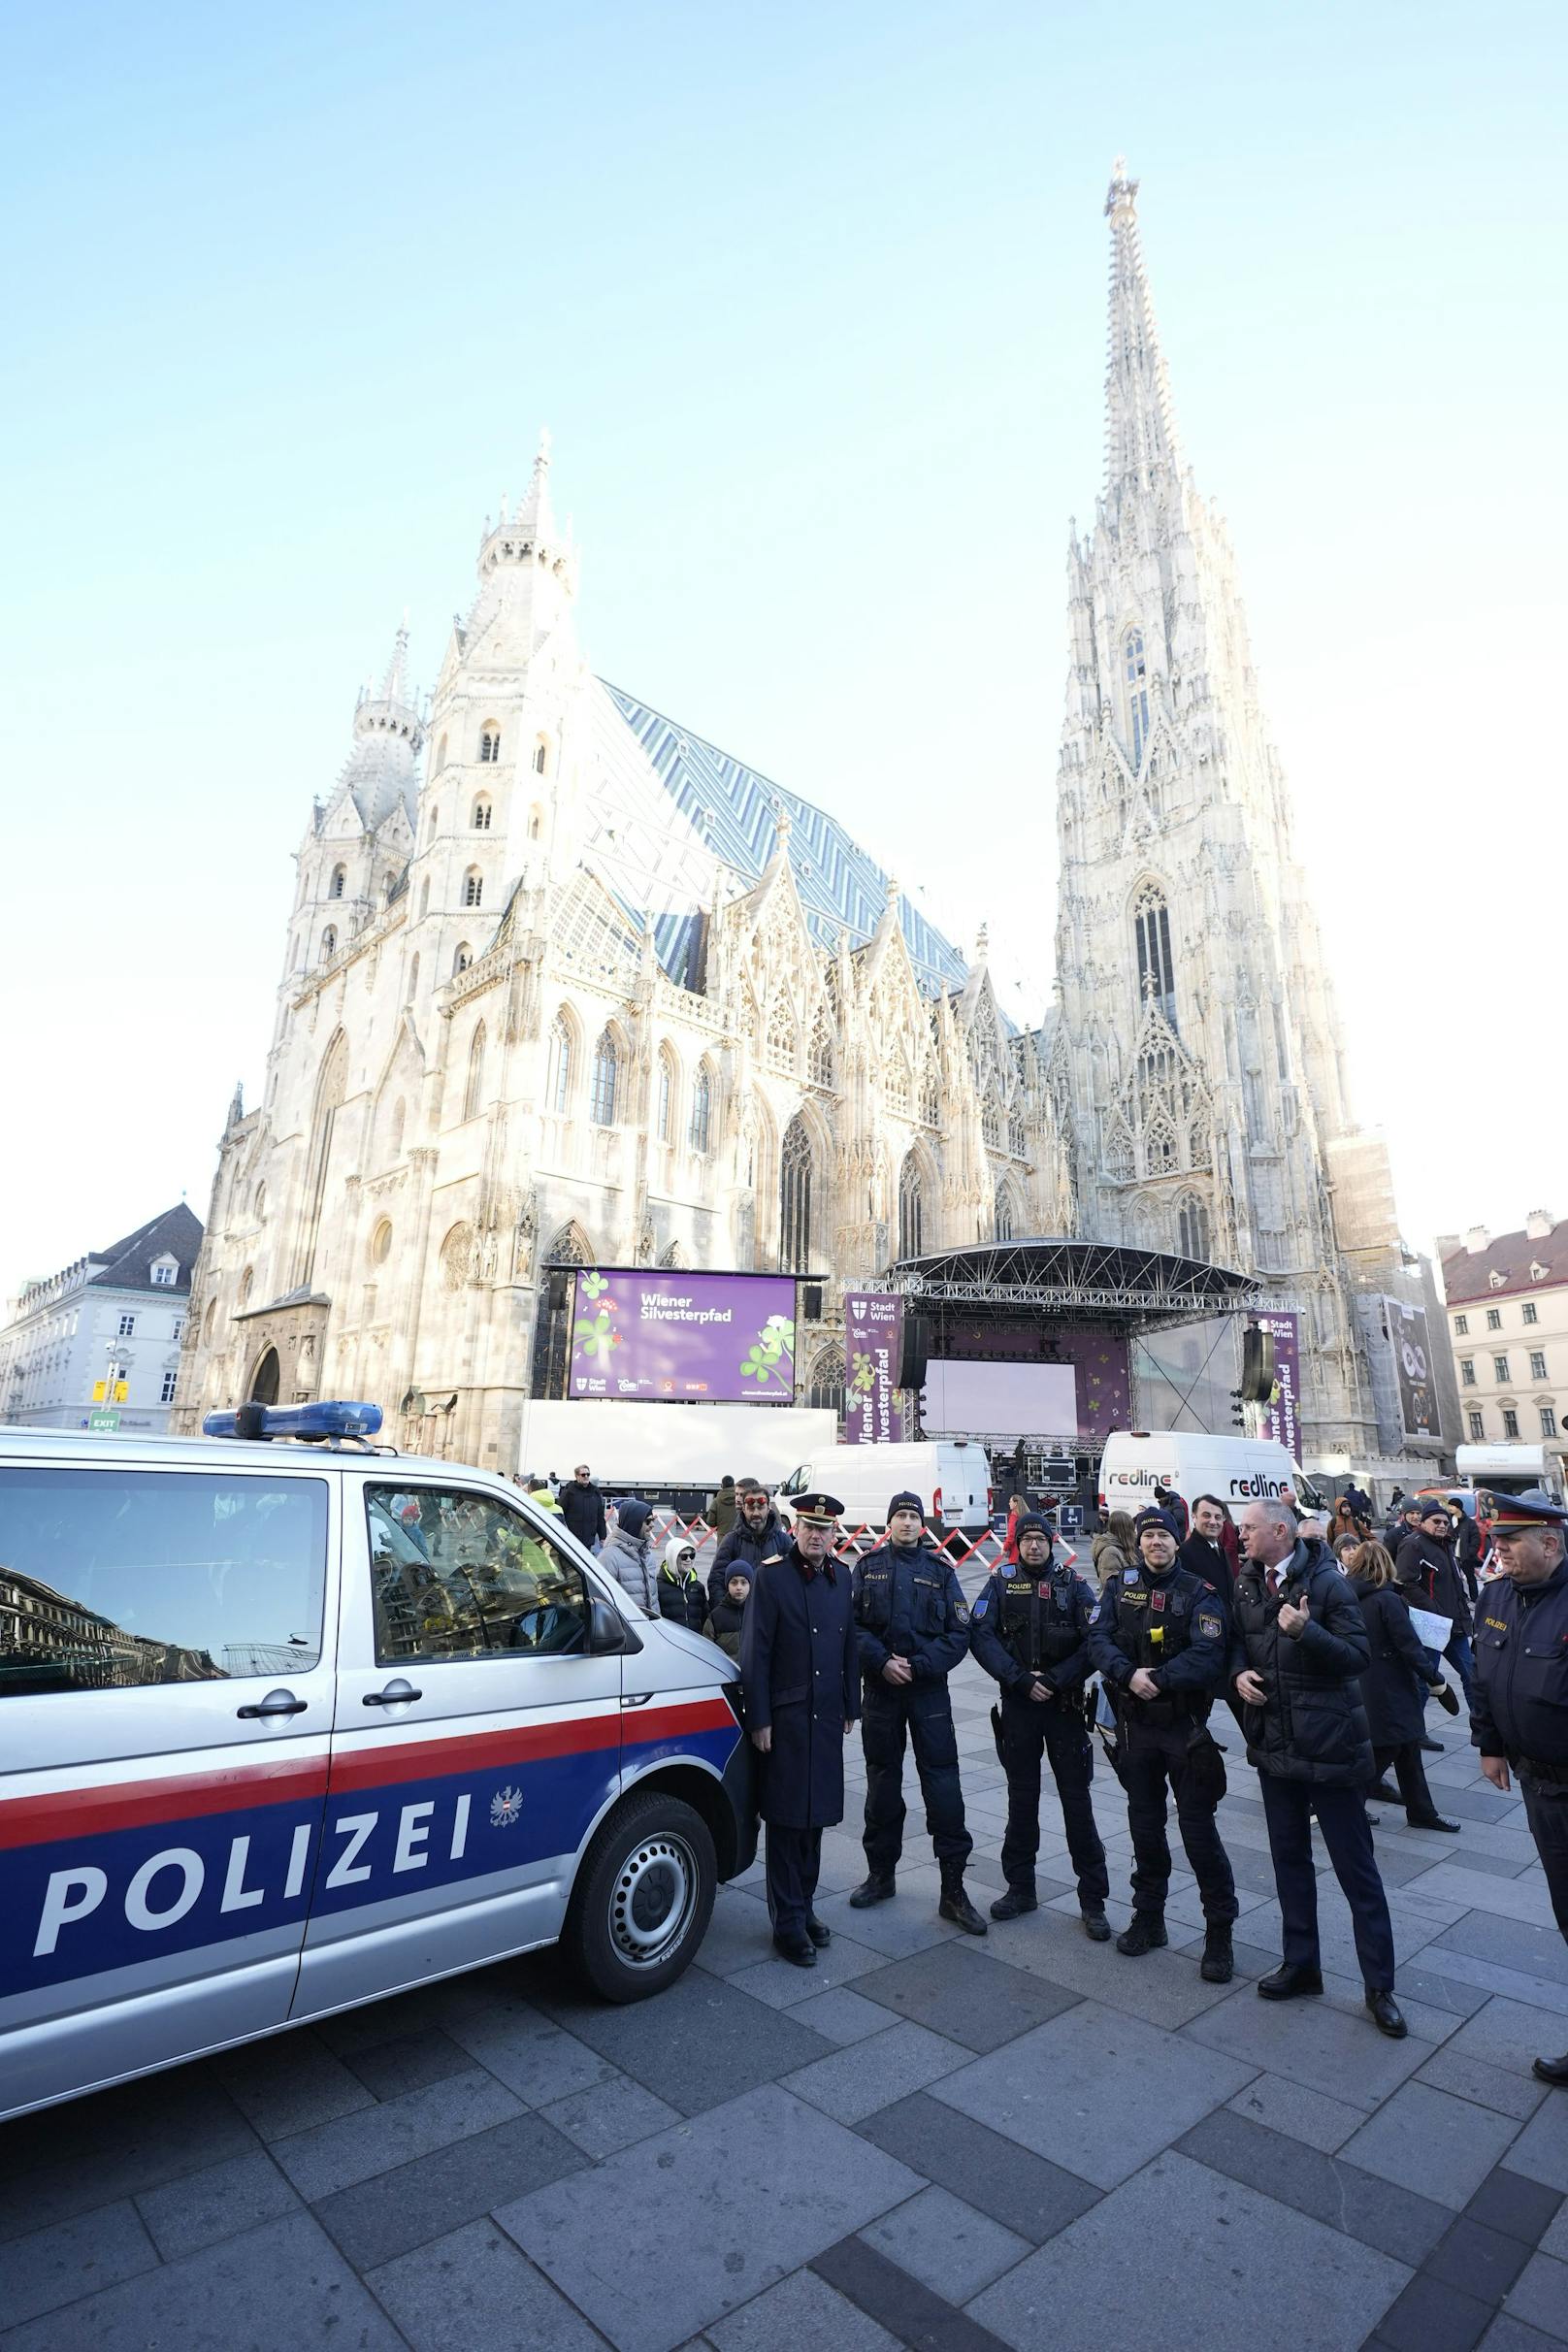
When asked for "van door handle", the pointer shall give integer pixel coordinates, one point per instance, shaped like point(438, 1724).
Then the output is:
point(276, 1703)
point(396, 1694)
point(639, 1699)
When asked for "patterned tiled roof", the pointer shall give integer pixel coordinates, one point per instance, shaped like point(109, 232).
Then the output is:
point(733, 811)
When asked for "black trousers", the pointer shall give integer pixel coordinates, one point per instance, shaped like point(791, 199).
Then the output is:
point(794, 1860)
point(1545, 1810)
point(923, 1713)
point(1155, 1756)
point(1029, 1730)
point(1288, 1809)
point(1410, 1773)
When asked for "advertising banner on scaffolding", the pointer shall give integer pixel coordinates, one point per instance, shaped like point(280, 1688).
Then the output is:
point(1283, 1419)
point(873, 1340)
point(723, 1339)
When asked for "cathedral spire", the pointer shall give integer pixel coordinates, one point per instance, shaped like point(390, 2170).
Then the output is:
point(1140, 422)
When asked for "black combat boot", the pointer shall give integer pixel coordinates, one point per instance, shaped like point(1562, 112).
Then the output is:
point(1219, 1963)
point(1147, 1934)
point(1015, 1902)
point(1096, 1927)
point(871, 1889)
point(956, 1905)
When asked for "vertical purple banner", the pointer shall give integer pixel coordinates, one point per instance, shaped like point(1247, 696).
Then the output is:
point(1282, 1418)
point(874, 1332)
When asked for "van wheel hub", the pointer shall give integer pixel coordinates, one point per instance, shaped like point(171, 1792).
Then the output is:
point(653, 1899)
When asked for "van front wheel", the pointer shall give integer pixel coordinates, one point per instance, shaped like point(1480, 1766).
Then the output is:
point(643, 1898)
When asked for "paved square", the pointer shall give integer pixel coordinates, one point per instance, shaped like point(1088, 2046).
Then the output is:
point(931, 2140)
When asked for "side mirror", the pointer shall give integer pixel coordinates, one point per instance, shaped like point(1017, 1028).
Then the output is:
point(607, 1630)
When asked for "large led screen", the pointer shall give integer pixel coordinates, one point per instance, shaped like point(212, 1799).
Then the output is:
point(999, 1400)
point(723, 1338)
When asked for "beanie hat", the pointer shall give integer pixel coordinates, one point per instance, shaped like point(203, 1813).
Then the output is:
point(1032, 1524)
point(907, 1502)
point(1151, 1518)
point(632, 1515)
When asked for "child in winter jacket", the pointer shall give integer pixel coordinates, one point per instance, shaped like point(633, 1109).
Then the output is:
point(682, 1592)
point(729, 1612)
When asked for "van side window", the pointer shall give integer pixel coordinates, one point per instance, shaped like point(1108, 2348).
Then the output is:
point(456, 1575)
point(112, 1579)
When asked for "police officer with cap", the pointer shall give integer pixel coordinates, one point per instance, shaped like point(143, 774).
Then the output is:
point(1030, 1631)
point(912, 1624)
point(1518, 1717)
point(800, 1676)
point(1158, 1639)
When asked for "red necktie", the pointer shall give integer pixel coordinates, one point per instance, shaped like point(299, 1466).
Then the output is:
point(1274, 1581)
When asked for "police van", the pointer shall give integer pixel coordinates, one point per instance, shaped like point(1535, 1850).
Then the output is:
point(288, 1726)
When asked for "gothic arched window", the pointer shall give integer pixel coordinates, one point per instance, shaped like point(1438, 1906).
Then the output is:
point(463, 957)
point(781, 1032)
point(1137, 680)
point(489, 745)
point(474, 1091)
point(606, 1082)
point(1001, 1217)
point(911, 1209)
point(1192, 1229)
point(558, 1085)
point(540, 759)
point(701, 1112)
point(1016, 1140)
point(536, 824)
point(664, 1110)
point(473, 887)
point(340, 878)
point(481, 816)
point(930, 1099)
point(1157, 971)
point(991, 1121)
point(329, 944)
point(825, 1381)
point(795, 1199)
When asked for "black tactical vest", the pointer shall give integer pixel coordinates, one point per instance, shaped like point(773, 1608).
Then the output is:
point(1038, 1622)
point(1154, 1620)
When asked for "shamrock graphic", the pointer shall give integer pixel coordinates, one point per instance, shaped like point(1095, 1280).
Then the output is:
point(592, 1284)
point(771, 1355)
point(861, 1378)
point(599, 1337)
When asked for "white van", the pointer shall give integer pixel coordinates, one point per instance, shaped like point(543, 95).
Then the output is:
point(285, 1727)
point(1237, 1470)
point(951, 1476)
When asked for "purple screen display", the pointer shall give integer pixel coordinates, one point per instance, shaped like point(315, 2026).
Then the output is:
point(729, 1338)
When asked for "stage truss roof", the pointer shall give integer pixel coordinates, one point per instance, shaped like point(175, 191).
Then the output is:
point(1060, 1276)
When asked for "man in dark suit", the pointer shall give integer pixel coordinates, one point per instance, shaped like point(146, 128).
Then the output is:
point(800, 1669)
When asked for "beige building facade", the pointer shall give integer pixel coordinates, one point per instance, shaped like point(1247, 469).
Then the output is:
point(1507, 1299)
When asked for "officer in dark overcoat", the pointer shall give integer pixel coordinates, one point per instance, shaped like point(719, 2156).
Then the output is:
point(1519, 1714)
point(1158, 1639)
point(912, 1624)
point(1031, 1630)
point(800, 1671)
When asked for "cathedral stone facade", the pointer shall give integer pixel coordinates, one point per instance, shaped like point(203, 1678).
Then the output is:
point(564, 983)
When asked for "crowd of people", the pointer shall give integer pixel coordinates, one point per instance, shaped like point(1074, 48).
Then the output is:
point(1325, 1636)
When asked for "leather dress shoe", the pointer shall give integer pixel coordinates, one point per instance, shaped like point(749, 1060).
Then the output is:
point(1432, 1820)
point(1379, 1793)
point(799, 1950)
point(871, 1889)
point(1386, 2015)
point(1014, 1904)
point(1433, 1747)
point(1288, 1983)
point(820, 1933)
point(1551, 2070)
point(1448, 1698)
point(1096, 1927)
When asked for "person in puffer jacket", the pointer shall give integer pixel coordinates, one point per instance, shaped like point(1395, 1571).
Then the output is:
point(728, 1616)
point(682, 1592)
point(628, 1556)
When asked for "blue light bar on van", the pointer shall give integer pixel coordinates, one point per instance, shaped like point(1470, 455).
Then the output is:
point(335, 1418)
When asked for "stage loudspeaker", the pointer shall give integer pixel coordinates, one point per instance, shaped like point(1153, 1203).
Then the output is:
point(811, 1303)
point(558, 1290)
point(1256, 1366)
point(914, 1351)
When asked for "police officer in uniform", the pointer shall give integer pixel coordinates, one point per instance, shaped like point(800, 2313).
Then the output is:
point(1030, 1631)
point(1519, 1714)
point(1158, 1639)
point(800, 1676)
point(913, 1625)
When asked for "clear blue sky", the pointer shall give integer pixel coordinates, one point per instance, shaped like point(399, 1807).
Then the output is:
point(814, 302)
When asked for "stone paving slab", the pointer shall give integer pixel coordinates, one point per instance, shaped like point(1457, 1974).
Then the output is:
point(647, 2285)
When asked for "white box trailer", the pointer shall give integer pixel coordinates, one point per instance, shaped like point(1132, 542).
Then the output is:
point(666, 1450)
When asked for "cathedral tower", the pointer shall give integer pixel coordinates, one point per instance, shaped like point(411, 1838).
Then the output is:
point(1198, 1068)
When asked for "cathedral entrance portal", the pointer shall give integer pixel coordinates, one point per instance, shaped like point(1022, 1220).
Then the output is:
point(264, 1379)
